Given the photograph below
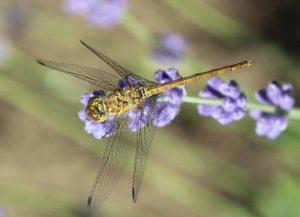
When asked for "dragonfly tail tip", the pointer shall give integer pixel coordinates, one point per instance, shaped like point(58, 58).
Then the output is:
point(249, 63)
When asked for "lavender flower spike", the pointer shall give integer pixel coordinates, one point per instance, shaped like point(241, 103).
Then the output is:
point(98, 130)
point(279, 96)
point(233, 105)
point(171, 48)
point(161, 109)
point(167, 109)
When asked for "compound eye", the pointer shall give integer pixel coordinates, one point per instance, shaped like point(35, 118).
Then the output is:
point(96, 110)
point(91, 114)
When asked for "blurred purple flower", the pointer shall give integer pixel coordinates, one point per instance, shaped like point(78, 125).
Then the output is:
point(2, 212)
point(3, 49)
point(98, 130)
point(171, 48)
point(80, 7)
point(233, 105)
point(17, 18)
point(279, 96)
point(103, 13)
point(159, 110)
point(106, 13)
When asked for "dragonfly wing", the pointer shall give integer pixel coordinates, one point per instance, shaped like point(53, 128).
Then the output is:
point(115, 66)
point(102, 79)
point(113, 163)
point(144, 139)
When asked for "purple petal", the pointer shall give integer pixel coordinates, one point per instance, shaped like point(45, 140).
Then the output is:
point(263, 97)
point(92, 127)
point(287, 88)
point(279, 124)
point(274, 92)
point(222, 116)
point(99, 130)
point(174, 95)
point(267, 124)
point(99, 133)
point(229, 105)
point(165, 114)
point(238, 114)
point(215, 82)
point(82, 115)
point(163, 76)
point(255, 114)
point(262, 126)
point(206, 109)
point(209, 92)
point(242, 101)
point(286, 102)
point(137, 119)
point(85, 98)
point(134, 125)
point(230, 89)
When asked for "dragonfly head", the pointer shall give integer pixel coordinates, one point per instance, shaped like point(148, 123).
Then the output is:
point(96, 109)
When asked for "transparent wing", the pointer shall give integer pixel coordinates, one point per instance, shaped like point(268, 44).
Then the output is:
point(102, 79)
point(115, 66)
point(112, 164)
point(144, 139)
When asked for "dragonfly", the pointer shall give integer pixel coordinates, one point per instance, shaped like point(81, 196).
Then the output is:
point(138, 93)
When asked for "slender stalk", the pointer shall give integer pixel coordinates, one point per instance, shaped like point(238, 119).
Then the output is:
point(137, 29)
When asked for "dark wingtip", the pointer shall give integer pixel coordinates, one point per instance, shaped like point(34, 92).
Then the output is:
point(40, 62)
point(82, 42)
point(133, 195)
point(89, 210)
point(89, 202)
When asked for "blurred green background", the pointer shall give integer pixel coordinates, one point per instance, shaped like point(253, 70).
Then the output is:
point(196, 167)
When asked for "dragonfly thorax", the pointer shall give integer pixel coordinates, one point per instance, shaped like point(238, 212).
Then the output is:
point(124, 99)
point(96, 109)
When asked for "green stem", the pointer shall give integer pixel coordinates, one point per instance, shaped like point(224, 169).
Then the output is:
point(137, 29)
point(211, 20)
point(294, 113)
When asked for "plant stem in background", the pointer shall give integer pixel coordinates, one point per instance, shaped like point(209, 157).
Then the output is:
point(293, 115)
